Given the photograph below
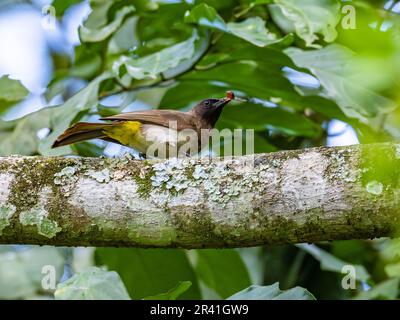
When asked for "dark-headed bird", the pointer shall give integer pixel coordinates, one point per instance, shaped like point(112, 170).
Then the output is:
point(153, 133)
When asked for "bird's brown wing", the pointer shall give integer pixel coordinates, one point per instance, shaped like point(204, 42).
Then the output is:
point(164, 118)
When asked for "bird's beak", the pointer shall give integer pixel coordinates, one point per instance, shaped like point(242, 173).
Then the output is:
point(222, 102)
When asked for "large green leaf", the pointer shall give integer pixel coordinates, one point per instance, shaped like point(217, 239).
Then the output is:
point(87, 61)
point(151, 66)
point(269, 62)
point(188, 93)
point(11, 92)
point(93, 284)
point(272, 292)
point(14, 281)
point(222, 270)
point(94, 31)
point(62, 5)
point(252, 29)
point(35, 258)
point(307, 18)
point(125, 38)
point(147, 272)
point(21, 271)
point(253, 80)
point(172, 294)
point(20, 136)
point(334, 68)
point(63, 115)
point(258, 117)
point(206, 16)
point(387, 289)
point(330, 263)
point(152, 31)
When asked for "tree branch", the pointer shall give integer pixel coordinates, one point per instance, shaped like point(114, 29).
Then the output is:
point(284, 197)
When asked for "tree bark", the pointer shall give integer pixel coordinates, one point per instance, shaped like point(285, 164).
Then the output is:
point(307, 195)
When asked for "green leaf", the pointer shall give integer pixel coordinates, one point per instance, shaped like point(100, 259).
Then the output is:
point(257, 2)
point(146, 272)
point(393, 270)
point(200, 47)
point(90, 33)
point(254, 80)
point(21, 271)
point(153, 65)
point(354, 251)
point(333, 67)
point(62, 5)
point(307, 18)
point(188, 93)
point(258, 117)
point(254, 259)
point(172, 294)
point(152, 31)
point(206, 16)
point(87, 149)
point(252, 29)
point(124, 100)
point(222, 270)
point(15, 282)
point(272, 292)
point(270, 63)
point(35, 258)
point(146, 5)
point(11, 92)
point(387, 289)
point(62, 116)
point(125, 38)
point(331, 263)
point(20, 136)
point(93, 284)
point(88, 61)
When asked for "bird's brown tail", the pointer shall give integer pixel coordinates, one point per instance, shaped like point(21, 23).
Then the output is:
point(81, 131)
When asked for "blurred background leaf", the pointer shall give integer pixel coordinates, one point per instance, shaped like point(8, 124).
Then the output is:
point(222, 270)
point(272, 292)
point(11, 92)
point(173, 293)
point(150, 272)
point(92, 284)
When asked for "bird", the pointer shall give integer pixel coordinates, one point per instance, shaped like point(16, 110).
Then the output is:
point(154, 133)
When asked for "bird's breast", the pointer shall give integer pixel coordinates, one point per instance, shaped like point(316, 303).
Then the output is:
point(154, 140)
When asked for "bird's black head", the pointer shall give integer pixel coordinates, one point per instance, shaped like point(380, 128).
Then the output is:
point(210, 109)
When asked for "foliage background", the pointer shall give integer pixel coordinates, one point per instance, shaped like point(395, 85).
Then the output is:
point(308, 78)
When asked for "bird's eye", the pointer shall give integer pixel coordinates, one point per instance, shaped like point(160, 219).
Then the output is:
point(207, 103)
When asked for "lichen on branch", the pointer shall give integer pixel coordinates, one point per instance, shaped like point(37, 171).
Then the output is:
point(284, 197)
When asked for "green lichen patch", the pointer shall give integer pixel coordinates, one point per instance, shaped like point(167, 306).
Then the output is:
point(6, 213)
point(374, 187)
point(66, 175)
point(170, 175)
point(38, 217)
point(31, 175)
point(99, 176)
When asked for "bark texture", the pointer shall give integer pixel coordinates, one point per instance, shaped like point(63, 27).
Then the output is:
point(284, 197)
